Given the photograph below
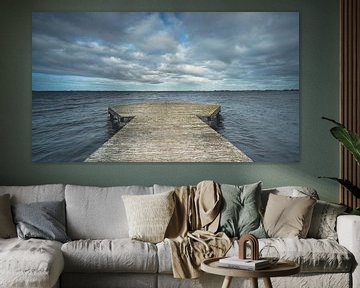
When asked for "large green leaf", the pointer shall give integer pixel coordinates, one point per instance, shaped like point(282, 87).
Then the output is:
point(348, 138)
point(348, 185)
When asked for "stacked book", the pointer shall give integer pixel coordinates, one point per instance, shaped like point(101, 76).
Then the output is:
point(248, 264)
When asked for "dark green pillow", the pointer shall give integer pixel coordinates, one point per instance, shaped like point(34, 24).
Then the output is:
point(43, 220)
point(240, 213)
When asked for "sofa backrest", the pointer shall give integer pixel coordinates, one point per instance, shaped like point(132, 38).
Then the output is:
point(98, 212)
point(162, 188)
point(35, 193)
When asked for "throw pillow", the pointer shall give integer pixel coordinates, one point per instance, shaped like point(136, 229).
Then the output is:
point(149, 215)
point(288, 217)
point(323, 222)
point(44, 220)
point(240, 213)
point(7, 226)
point(291, 191)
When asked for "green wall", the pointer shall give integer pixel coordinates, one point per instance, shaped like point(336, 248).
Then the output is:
point(318, 87)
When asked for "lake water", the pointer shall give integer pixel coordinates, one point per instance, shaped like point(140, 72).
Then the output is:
point(68, 126)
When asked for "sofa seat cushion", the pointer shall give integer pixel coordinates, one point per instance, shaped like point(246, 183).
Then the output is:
point(164, 257)
point(313, 255)
point(115, 255)
point(30, 263)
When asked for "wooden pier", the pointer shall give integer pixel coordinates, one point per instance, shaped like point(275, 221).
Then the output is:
point(166, 132)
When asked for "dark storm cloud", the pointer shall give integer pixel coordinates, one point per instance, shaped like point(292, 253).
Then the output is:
point(171, 51)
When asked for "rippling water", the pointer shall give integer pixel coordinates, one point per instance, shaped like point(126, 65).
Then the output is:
point(69, 126)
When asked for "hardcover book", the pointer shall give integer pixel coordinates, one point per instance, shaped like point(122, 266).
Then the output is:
point(249, 264)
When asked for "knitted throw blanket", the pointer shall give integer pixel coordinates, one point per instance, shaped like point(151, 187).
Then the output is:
point(191, 232)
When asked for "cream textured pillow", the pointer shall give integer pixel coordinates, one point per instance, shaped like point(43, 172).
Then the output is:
point(7, 226)
point(149, 215)
point(288, 217)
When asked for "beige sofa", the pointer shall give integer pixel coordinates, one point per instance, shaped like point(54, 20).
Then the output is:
point(102, 255)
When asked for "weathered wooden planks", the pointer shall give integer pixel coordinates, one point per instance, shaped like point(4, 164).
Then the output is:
point(167, 132)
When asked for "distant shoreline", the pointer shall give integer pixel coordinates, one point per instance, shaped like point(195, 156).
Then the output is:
point(164, 91)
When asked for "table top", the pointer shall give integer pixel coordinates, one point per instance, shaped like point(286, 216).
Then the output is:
point(281, 268)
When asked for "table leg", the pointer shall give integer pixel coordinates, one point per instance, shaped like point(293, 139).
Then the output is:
point(267, 283)
point(254, 282)
point(227, 282)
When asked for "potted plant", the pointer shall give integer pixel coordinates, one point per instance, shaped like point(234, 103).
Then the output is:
point(351, 141)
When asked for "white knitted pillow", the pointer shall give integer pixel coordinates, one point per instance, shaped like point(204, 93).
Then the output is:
point(149, 215)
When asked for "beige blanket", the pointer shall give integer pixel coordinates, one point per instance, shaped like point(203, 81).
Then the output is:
point(191, 231)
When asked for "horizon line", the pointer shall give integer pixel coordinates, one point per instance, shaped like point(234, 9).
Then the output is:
point(219, 90)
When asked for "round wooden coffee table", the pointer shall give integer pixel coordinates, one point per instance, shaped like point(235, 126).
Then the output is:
point(281, 268)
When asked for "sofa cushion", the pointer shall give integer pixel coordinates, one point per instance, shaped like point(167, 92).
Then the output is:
point(149, 215)
point(287, 216)
point(323, 222)
point(98, 213)
point(240, 210)
point(116, 255)
point(291, 191)
point(35, 193)
point(43, 220)
point(30, 263)
point(313, 255)
point(7, 226)
point(164, 257)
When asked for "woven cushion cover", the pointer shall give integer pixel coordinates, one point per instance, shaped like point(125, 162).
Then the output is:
point(323, 222)
point(149, 215)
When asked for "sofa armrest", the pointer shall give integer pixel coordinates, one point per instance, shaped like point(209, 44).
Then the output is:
point(348, 230)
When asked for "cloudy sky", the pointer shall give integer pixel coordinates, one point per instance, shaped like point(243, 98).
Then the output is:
point(165, 51)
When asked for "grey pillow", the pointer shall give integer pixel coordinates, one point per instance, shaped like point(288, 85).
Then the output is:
point(7, 226)
point(240, 213)
point(323, 222)
point(44, 220)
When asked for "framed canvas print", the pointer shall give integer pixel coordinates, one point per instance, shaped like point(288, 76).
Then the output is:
point(165, 87)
